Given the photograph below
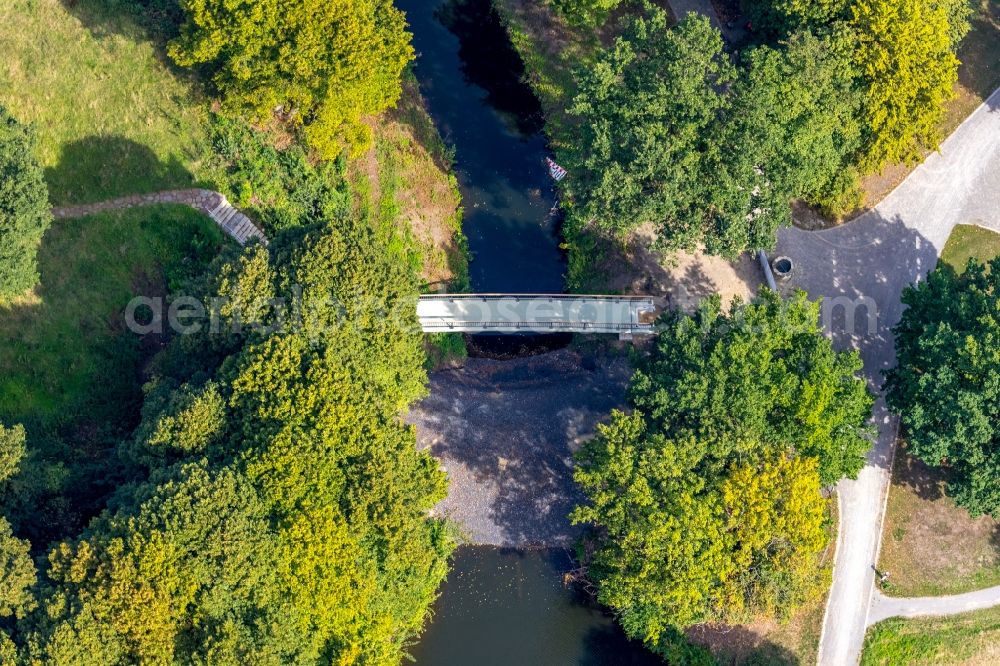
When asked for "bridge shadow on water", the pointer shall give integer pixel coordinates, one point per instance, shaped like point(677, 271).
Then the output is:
point(515, 345)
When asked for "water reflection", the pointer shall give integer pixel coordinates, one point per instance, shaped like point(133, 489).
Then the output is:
point(482, 107)
point(503, 607)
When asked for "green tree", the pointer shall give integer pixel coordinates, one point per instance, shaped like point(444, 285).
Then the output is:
point(285, 518)
point(12, 450)
point(645, 109)
point(959, 14)
point(24, 207)
point(17, 574)
point(705, 500)
point(790, 132)
point(907, 67)
point(17, 571)
point(946, 385)
point(321, 64)
point(763, 374)
point(665, 139)
point(777, 18)
point(586, 12)
point(674, 547)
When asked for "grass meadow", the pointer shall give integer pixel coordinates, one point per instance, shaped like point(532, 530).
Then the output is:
point(65, 355)
point(112, 116)
point(970, 639)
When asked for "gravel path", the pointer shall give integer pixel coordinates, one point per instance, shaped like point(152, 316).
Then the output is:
point(884, 607)
point(506, 430)
point(871, 260)
point(213, 204)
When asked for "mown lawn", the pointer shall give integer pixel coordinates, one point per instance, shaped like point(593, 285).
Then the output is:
point(970, 242)
point(111, 116)
point(64, 350)
point(969, 639)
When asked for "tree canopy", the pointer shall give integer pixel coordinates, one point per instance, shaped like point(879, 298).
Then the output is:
point(670, 135)
point(903, 63)
point(645, 110)
point(587, 12)
point(761, 375)
point(790, 132)
point(672, 132)
point(24, 207)
point(946, 385)
point(907, 67)
point(17, 571)
point(705, 499)
point(12, 450)
point(321, 64)
point(283, 516)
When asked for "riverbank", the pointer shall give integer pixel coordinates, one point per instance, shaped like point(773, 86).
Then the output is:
point(506, 432)
point(597, 262)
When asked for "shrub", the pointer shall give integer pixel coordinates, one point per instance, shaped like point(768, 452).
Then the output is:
point(24, 207)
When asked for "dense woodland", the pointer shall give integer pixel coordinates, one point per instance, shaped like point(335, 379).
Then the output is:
point(267, 505)
point(705, 499)
point(710, 147)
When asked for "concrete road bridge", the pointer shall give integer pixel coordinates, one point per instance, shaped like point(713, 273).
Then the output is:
point(537, 313)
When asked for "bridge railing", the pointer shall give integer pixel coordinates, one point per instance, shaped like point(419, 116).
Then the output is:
point(541, 313)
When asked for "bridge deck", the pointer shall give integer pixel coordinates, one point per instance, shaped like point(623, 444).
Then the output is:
point(536, 313)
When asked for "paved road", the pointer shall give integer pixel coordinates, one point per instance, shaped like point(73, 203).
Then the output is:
point(884, 607)
point(868, 262)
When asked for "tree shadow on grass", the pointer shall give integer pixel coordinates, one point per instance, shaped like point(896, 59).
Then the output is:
point(925, 481)
point(738, 644)
point(980, 49)
point(70, 372)
point(97, 168)
point(157, 21)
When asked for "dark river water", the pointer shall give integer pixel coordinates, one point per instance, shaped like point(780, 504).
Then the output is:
point(499, 606)
point(471, 79)
point(503, 607)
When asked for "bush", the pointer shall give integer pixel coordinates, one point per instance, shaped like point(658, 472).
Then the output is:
point(24, 207)
point(586, 12)
point(282, 188)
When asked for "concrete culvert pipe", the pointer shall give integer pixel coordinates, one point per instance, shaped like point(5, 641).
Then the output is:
point(782, 267)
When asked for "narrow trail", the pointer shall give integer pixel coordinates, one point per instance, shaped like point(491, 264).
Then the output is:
point(213, 204)
point(885, 607)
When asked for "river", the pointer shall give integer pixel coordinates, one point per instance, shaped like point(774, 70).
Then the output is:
point(505, 607)
point(475, 95)
point(502, 606)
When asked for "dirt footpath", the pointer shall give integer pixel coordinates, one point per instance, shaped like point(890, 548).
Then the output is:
point(506, 430)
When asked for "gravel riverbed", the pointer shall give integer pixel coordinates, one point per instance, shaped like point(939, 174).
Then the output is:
point(506, 431)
